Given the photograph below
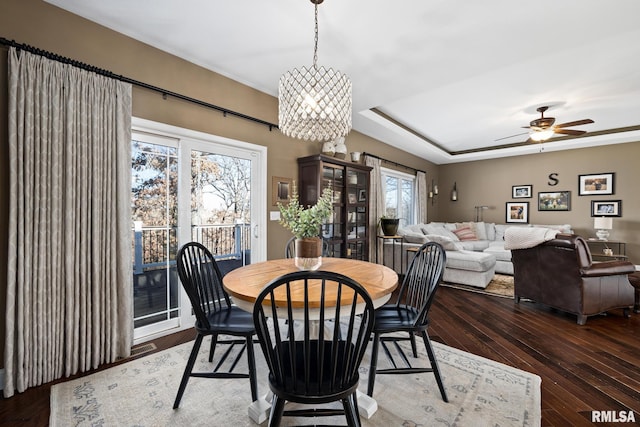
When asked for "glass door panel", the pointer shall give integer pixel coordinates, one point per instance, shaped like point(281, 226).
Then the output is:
point(221, 207)
point(154, 214)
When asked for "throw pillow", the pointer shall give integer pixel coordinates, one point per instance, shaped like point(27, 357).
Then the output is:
point(440, 231)
point(481, 231)
point(491, 230)
point(415, 238)
point(465, 233)
point(447, 243)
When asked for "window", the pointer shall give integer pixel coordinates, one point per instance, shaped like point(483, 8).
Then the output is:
point(399, 190)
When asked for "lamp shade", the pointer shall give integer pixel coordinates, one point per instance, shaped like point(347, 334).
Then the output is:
point(603, 223)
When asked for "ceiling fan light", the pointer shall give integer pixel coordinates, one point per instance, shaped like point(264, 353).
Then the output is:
point(541, 135)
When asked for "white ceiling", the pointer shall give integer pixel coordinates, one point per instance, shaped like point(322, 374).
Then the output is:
point(460, 74)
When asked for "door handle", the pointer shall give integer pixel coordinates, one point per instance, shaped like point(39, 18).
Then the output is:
point(255, 231)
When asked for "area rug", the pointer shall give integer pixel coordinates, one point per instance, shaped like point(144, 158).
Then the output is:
point(501, 285)
point(141, 393)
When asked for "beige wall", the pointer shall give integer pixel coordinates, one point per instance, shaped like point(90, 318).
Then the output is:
point(39, 24)
point(479, 183)
point(489, 182)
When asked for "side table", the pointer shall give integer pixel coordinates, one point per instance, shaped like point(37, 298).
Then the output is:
point(597, 247)
point(393, 239)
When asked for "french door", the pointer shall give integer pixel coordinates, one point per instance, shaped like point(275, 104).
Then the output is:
point(189, 186)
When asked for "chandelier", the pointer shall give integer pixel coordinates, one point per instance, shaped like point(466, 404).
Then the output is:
point(314, 103)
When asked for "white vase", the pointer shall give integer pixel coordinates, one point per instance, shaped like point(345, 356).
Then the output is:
point(328, 148)
point(340, 148)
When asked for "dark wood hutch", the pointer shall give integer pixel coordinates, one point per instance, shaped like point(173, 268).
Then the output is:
point(347, 232)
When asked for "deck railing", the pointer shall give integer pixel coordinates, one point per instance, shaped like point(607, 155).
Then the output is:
point(153, 247)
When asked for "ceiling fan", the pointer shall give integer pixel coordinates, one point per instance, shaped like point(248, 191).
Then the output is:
point(543, 128)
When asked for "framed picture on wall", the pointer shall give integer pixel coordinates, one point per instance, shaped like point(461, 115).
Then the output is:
point(281, 190)
point(596, 184)
point(554, 201)
point(521, 191)
point(606, 208)
point(518, 212)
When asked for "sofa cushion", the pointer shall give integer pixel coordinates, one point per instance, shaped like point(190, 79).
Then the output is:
point(440, 231)
point(465, 233)
point(475, 245)
point(471, 261)
point(411, 229)
point(447, 243)
point(481, 230)
point(491, 230)
point(497, 249)
point(478, 228)
point(415, 238)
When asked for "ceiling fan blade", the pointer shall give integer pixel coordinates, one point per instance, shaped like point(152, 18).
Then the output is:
point(570, 132)
point(576, 123)
point(511, 136)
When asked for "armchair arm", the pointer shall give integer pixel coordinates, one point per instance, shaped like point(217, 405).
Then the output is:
point(608, 268)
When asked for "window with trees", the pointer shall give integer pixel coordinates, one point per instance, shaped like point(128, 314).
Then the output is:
point(399, 190)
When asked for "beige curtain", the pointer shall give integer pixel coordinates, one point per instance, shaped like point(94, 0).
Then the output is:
point(421, 197)
point(69, 295)
point(376, 206)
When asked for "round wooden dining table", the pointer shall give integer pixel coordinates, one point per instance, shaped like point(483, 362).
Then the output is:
point(245, 283)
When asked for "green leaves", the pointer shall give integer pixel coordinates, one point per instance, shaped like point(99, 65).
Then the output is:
point(303, 222)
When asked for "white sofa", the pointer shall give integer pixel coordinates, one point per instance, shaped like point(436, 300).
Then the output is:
point(475, 250)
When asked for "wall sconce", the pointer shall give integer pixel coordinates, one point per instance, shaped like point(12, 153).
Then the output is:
point(454, 193)
point(433, 192)
point(479, 210)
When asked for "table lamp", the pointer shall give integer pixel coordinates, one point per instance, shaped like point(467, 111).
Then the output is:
point(603, 225)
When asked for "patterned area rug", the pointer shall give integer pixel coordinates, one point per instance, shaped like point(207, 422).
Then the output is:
point(141, 392)
point(501, 285)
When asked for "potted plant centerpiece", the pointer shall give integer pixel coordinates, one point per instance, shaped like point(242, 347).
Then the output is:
point(305, 224)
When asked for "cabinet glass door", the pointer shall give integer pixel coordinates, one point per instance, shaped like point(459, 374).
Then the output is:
point(332, 231)
point(357, 214)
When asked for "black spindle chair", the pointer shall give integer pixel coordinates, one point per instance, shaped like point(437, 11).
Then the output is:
point(202, 280)
point(308, 364)
point(410, 314)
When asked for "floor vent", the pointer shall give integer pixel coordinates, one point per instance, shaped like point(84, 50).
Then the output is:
point(142, 349)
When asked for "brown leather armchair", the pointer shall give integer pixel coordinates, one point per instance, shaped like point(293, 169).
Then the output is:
point(560, 273)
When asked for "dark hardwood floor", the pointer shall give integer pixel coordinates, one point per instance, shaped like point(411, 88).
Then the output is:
point(583, 368)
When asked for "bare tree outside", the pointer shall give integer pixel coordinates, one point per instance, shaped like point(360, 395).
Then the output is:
point(220, 208)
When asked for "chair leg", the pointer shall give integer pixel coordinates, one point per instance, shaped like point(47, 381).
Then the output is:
point(374, 363)
point(351, 411)
point(251, 359)
point(212, 349)
point(277, 409)
point(414, 348)
point(434, 365)
point(188, 369)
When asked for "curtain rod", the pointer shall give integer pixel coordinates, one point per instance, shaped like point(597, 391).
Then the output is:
point(393, 163)
point(106, 73)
